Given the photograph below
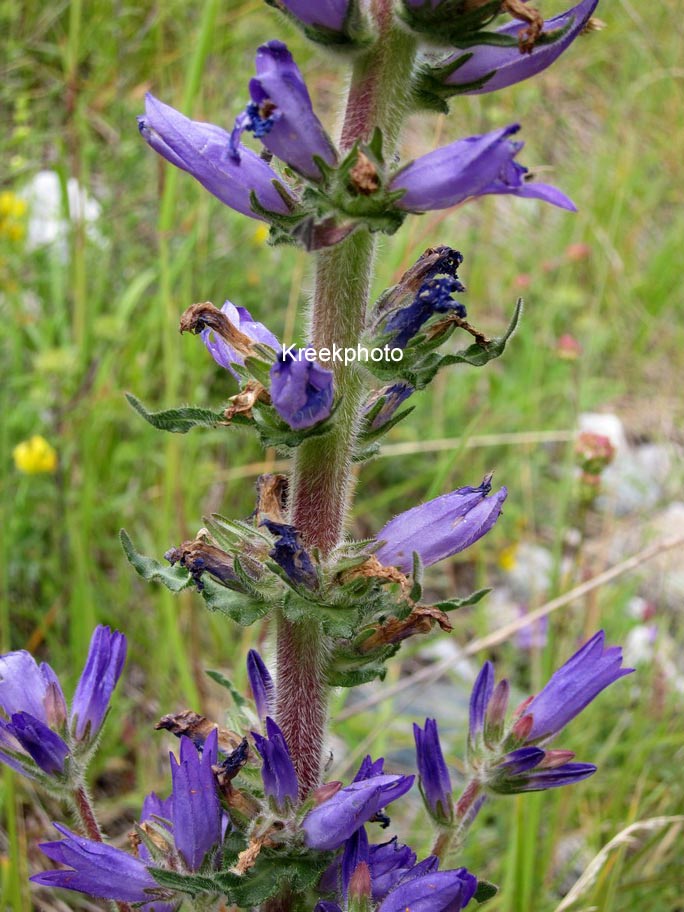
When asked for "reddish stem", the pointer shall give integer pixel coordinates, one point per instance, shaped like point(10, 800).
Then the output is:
point(89, 822)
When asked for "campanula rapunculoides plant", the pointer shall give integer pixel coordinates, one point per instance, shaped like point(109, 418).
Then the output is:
point(250, 821)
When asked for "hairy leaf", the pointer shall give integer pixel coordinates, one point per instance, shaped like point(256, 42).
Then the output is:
point(177, 420)
point(174, 578)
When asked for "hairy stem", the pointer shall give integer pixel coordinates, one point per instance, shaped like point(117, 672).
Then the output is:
point(86, 814)
point(321, 483)
point(452, 838)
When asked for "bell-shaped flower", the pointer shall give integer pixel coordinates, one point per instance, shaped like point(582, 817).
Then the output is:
point(439, 891)
point(25, 733)
point(103, 668)
point(195, 802)
point(97, 869)
point(435, 782)
point(531, 769)
point(516, 760)
point(330, 824)
point(388, 863)
point(281, 115)
point(480, 698)
point(28, 687)
point(576, 683)
point(203, 150)
point(219, 344)
point(470, 167)
point(441, 527)
point(277, 772)
point(34, 734)
point(301, 390)
point(261, 684)
point(321, 14)
point(489, 67)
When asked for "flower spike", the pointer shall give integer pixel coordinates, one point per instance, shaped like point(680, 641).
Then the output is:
point(281, 114)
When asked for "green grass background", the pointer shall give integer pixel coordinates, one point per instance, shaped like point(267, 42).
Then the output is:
point(605, 124)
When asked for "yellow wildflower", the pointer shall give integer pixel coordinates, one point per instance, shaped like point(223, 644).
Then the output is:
point(12, 216)
point(507, 558)
point(260, 235)
point(35, 456)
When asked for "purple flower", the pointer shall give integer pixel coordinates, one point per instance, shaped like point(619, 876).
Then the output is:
point(582, 678)
point(542, 779)
point(105, 662)
point(28, 687)
point(435, 783)
point(504, 66)
point(278, 772)
point(441, 527)
point(531, 769)
point(355, 853)
point(97, 869)
point(516, 761)
point(335, 820)
point(301, 390)
point(441, 891)
point(195, 802)
point(434, 297)
point(325, 14)
point(521, 761)
point(155, 807)
point(32, 698)
point(281, 114)
point(467, 168)
point(369, 768)
point(44, 746)
point(326, 906)
point(427, 866)
point(393, 396)
point(203, 150)
point(290, 554)
point(479, 701)
point(223, 353)
point(261, 683)
point(389, 862)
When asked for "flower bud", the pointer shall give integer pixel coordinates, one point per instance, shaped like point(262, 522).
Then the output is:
point(261, 683)
point(441, 527)
point(435, 783)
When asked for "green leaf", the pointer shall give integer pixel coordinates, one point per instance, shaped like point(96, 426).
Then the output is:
point(478, 355)
point(221, 679)
point(472, 599)
point(274, 432)
point(178, 420)
point(485, 891)
point(236, 605)
point(174, 578)
point(337, 622)
point(192, 884)
point(350, 669)
point(417, 572)
point(270, 873)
